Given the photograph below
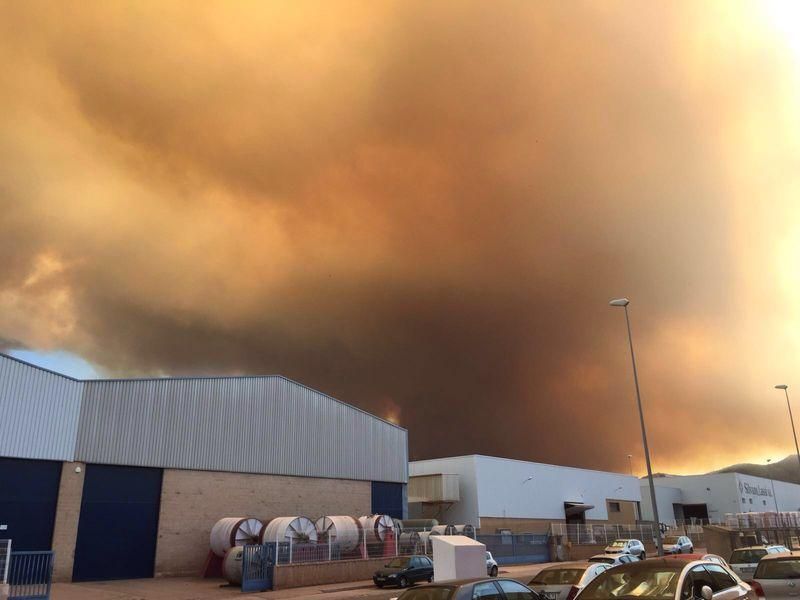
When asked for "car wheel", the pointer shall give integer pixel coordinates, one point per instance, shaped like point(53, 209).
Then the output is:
point(642, 556)
point(380, 585)
point(430, 579)
point(493, 572)
point(403, 582)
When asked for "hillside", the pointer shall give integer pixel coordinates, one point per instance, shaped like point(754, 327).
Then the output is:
point(786, 469)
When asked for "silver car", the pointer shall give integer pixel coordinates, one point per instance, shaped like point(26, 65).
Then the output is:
point(745, 560)
point(564, 580)
point(677, 544)
point(667, 579)
point(777, 577)
point(625, 546)
point(613, 559)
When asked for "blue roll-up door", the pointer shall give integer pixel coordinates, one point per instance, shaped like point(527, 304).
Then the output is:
point(119, 523)
point(28, 498)
point(388, 499)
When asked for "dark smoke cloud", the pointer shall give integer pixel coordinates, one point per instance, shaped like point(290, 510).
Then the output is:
point(420, 209)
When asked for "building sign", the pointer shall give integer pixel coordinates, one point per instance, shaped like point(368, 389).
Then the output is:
point(754, 490)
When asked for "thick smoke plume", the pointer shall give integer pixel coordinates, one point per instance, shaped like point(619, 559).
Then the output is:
point(420, 208)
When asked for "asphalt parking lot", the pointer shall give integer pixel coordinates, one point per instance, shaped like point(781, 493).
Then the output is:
point(184, 588)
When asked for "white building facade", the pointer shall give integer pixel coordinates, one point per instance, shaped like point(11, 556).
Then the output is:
point(708, 498)
point(524, 497)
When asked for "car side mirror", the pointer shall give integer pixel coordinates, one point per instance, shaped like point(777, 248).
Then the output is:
point(706, 593)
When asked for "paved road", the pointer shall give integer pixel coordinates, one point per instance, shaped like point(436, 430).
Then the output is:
point(203, 589)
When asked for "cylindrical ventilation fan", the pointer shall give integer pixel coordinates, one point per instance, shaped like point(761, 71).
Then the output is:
point(232, 565)
point(377, 528)
point(298, 530)
point(342, 530)
point(234, 531)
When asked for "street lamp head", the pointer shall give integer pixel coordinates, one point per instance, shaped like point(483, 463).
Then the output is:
point(619, 302)
point(782, 386)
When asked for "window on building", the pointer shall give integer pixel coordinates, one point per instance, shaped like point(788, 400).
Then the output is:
point(765, 502)
point(614, 507)
point(751, 500)
point(744, 501)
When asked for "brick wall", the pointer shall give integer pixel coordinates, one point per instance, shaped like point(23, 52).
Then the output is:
point(68, 510)
point(192, 501)
point(301, 575)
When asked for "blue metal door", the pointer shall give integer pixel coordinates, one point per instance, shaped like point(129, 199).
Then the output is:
point(388, 499)
point(30, 575)
point(28, 497)
point(119, 523)
point(258, 562)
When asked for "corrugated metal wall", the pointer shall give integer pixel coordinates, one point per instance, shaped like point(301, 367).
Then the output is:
point(39, 412)
point(247, 424)
point(239, 424)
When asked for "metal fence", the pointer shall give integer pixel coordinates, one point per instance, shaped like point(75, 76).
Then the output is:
point(5, 560)
point(30, 575)
point(365, 546)
point(509, 549)
point(603, 534)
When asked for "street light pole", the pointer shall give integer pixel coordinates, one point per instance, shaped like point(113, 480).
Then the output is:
point(785, 388)
point(623, 302)
point(630, 463)
point(772, 483)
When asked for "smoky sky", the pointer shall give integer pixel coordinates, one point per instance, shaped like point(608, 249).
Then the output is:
point(419, 208)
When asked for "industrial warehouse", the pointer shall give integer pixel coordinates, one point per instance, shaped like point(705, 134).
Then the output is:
point(499, 494)
point(125, 478)
point(718, 497)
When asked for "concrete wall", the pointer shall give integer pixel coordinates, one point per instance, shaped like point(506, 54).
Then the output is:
point(289, 576)
point(515, 488)
point(666, 497)
point(192, 501)
point(68, 511)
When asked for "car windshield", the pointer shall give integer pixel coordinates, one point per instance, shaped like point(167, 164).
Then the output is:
point(429, 592)
point(558, 577)
point(398, 563)
point(778, 569)
point(671, 539)
point(747, 556)
point(619, 543)
point(601, 559)
point(635, 580)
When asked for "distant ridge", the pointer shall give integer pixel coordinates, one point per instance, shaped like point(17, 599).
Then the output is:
point(786, 469)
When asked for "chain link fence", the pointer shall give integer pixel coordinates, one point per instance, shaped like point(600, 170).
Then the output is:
point(603, 534)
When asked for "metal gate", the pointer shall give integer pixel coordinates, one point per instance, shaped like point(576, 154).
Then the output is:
point(258, 562)
point(510, 549)
point(28, 497)
point(118, 525)
point(30, 575)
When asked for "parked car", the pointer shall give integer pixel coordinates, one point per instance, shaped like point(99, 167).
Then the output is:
point(613, 559)
point(744, 560)
point(564, 580)
point(666, 579)
point(677, 544)
point(634, 547)
point(491, 565)
point(471, 589)
point(777, 577)
point(402, 571)
point(710, 557)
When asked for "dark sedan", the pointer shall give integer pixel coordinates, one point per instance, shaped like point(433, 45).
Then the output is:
point(472, 589)
point(402, 571)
